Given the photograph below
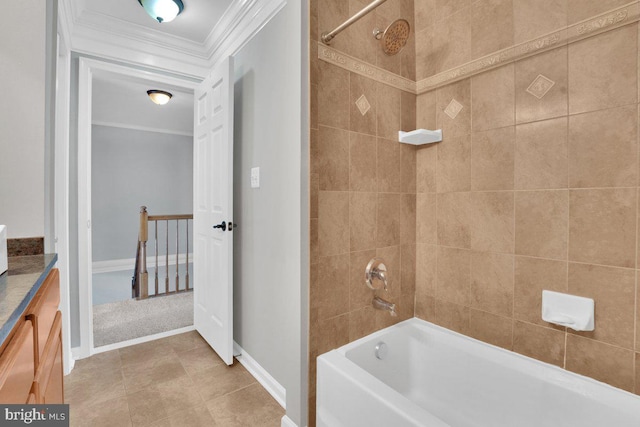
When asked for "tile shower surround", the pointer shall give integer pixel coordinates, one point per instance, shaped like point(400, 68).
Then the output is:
point(534, 186)
point(363, 183)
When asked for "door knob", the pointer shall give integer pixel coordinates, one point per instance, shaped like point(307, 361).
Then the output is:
point(232, 225)
point(222, 225)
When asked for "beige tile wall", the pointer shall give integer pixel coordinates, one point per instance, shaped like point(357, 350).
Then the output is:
point(363, 182)
point(535, 186)
point(533, 190)
point(450, 33)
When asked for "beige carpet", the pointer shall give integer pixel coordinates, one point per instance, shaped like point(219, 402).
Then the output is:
point(125, 320)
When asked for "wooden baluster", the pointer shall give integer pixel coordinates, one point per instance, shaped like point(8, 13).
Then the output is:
point(186, 277)
point(166, 280)
point(143, 237)
point(141, 267)
point(156, 243)
point(177, 255)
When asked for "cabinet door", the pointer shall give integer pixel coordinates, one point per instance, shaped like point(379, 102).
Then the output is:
point(48, 383)
point(54, 392)
point(44, 309)
point(17, 366)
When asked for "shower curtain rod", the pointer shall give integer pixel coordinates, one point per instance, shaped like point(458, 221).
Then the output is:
point(327, 37)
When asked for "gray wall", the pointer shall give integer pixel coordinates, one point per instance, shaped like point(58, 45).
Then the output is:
point(51, 67)
point(22, 112)
point(132, 168)
point(74, 275)
point(269, 247)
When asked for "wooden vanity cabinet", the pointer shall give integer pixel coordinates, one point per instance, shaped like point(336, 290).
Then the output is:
point(47, 385)
point(17, 366)
point(31, 360)
point(43, 310)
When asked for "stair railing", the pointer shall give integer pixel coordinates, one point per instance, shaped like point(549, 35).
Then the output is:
point(140, 282)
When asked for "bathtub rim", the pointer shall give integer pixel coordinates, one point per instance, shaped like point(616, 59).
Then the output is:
point(383, 394)
point(588, 387)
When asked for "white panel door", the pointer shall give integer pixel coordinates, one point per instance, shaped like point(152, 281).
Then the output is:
point(213, 210)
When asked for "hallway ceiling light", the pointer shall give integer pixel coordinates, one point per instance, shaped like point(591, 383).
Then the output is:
point(160, 97)
point(162, 10)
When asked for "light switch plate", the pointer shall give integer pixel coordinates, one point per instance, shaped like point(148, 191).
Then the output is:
point(255, 177)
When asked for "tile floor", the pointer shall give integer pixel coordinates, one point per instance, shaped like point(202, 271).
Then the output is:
point(175, 381)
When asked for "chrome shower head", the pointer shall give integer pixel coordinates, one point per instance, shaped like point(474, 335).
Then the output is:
point(394, 38)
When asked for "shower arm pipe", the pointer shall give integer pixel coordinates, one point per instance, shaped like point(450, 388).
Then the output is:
point(327, 37)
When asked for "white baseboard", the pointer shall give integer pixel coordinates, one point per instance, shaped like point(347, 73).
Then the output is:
point(71, 363)
point(75, 353)
point(286, 422)
point(261, 375)
point(130, 263)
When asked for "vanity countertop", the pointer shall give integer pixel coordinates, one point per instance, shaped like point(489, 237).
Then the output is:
point(19, 285)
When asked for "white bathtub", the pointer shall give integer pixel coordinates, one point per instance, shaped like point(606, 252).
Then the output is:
point(432, 376)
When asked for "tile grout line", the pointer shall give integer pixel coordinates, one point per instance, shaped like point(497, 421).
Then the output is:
point(513, 260)
point(124, 386)
point(568, 169)
point(471, 144)
point(534, 257)
point(435, 184)
point(636, 363)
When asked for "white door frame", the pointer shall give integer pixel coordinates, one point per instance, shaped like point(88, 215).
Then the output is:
point(88, 68)
point(61, 189)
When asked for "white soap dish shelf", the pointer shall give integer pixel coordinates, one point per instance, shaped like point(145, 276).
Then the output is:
point(571, 311)
point(420, 136)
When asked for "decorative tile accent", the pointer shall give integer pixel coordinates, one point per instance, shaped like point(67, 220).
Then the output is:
point(540, 86)
point(453, 109)
point(604, 21)
point(354, 65)
point(363, 105)
point(610, 20)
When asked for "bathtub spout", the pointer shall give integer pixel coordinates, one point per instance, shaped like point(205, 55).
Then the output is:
point(380, 304)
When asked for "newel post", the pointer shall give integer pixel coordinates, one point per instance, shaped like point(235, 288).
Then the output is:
point(143, 278)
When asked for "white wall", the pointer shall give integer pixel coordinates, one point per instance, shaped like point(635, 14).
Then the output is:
point(269, 246)
point(132, 168)
point(22, 112)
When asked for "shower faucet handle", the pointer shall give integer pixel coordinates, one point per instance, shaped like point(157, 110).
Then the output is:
point(376, 270)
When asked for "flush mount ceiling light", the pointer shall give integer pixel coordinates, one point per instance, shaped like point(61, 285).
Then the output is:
point(162, 10)
point(160, 97)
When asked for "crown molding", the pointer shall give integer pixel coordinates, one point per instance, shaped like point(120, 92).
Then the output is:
point(96, 34)
point(246, 19)
point(65, 21)
point(76, 7)
point(101, 23)
point(124, 49)
point(141, 128)
point(110, 38)
point(236, 11)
